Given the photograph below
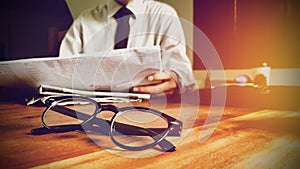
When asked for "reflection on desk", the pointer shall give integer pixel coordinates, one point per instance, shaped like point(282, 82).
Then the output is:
point(244, 138)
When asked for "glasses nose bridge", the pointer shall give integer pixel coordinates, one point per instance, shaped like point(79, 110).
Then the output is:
point(110, 108)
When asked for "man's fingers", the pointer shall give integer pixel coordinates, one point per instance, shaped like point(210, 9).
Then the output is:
point(167, 83)
point(165, 86)
point(151, 89)
point(159, 76)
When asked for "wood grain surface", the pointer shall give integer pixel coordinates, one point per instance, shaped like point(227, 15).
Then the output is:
point(244, 138)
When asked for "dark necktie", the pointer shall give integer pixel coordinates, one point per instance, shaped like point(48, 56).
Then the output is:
point(122, 17)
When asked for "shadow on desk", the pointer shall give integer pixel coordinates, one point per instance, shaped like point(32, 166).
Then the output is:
point(17, 95)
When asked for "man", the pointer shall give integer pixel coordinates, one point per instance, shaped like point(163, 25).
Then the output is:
point(151, 23)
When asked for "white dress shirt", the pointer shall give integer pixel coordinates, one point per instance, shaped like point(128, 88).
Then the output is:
point(153, 24)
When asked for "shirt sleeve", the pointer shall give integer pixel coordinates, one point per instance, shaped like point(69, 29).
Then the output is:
point(72, 42)
point(174, 55)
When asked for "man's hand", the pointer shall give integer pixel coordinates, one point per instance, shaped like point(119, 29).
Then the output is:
point(166, 82)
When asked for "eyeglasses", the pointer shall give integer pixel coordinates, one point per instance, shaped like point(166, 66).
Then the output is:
point(132, 128)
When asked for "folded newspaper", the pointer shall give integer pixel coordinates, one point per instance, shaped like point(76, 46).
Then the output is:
point(115, 71)
point(47, 91)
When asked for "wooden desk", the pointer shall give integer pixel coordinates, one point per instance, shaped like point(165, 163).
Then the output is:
point(245, 138)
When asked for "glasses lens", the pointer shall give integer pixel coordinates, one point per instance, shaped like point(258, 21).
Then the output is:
point(69, 111)
point(137, 128)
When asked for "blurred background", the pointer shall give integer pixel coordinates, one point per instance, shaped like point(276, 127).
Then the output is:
point(245, 33)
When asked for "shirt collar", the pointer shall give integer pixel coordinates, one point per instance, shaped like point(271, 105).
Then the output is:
point(135, 6)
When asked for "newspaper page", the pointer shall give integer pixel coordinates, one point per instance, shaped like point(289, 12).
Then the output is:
point(117, 70)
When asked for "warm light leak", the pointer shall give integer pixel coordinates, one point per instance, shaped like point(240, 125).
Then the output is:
point(247, 33)
point(235, 15)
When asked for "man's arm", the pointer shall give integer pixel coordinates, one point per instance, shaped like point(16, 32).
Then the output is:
point(72, 42)
point(177, 71)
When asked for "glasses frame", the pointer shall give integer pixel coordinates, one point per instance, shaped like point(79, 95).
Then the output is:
point(108, 126)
